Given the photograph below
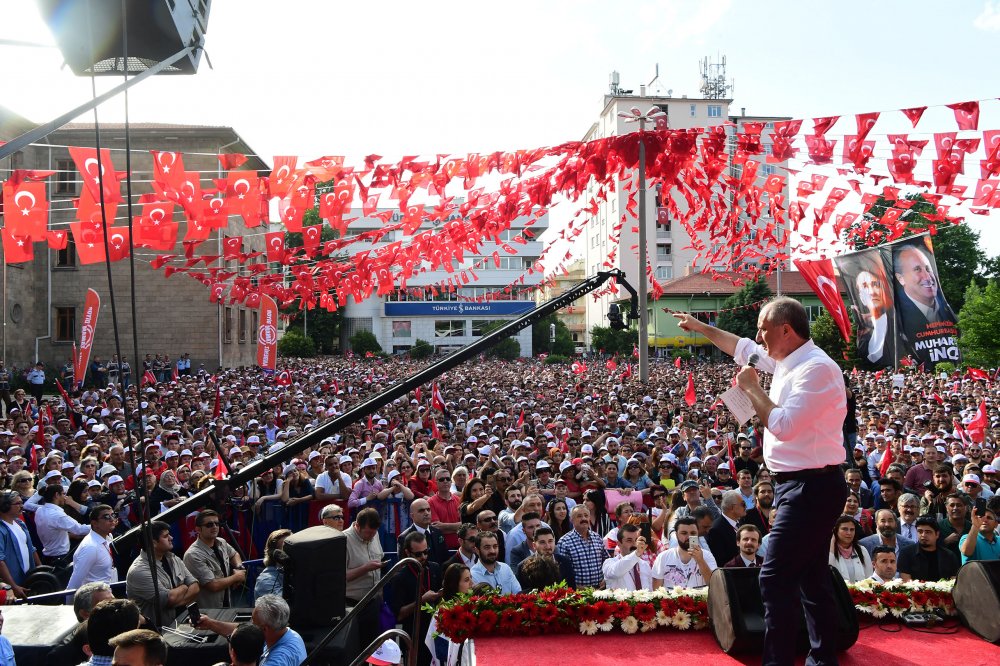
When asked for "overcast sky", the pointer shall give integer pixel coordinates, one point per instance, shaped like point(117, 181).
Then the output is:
point(313, 78)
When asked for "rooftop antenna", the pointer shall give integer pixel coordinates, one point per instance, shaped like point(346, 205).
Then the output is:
point(614, 80)
point(713, 79)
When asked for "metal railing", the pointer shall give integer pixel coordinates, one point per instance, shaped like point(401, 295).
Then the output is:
point(383, 637)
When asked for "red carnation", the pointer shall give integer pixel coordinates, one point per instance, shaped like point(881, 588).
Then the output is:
point(548, 613)
point(603, 610)
point(919, 597)
point(644, 612)
point(487, 621)
point(509, 619)
point(622, 610)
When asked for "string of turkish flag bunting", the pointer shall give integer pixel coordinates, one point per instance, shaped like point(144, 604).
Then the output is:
point(721, 215)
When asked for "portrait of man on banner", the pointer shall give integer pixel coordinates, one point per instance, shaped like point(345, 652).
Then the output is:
point(926, 323)
point(871, 292)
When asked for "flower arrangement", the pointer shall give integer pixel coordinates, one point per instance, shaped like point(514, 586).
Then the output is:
point(563, 610)
point(560, 609)
point(896, 597)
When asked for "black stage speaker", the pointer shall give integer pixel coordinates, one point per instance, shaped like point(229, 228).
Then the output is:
point(977, 598)
point(316, 576)
point(157, 29)
point(737, 612)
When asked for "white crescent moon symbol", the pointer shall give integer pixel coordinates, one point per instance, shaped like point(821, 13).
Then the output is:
point(215, 205)
point(88, 162)
point(276, 243)
point(283, 169)
point(173, 158)
point(329, 198)
point(117, 237)
point(24, 193)
point(236, 185)
point(157, 214)
point(825, 282)
point(188, 184)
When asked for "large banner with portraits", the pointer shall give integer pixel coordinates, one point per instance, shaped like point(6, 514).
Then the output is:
point(897, 304)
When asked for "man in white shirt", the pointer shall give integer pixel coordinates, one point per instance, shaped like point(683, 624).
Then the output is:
point(686, 563)
point(884, 563)
point(55, 527)
point(628, 570)
point(333, 483)
point(92, 561)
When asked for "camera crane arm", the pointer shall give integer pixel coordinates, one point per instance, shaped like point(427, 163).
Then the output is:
point(397, 390)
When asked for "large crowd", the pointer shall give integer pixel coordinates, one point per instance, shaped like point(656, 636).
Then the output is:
point(529, 475)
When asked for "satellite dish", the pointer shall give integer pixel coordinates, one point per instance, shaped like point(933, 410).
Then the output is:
point(670, 92)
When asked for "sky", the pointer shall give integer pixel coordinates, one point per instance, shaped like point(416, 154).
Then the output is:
point(313, 78)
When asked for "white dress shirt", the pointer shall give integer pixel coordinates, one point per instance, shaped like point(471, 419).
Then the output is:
point(54, 528)
point(618, 572)
point(880, 326)
point(92, 562)
point(805, 429)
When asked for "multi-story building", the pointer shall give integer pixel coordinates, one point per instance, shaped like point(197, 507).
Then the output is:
point(669, 251)
point(488, 288)
point(574, 315)
point(44, 298)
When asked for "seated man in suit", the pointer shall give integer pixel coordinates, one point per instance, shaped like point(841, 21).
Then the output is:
point(748, 541)
point(886, 534)
point(420, 513)
point(545, 567)
point(722, 537)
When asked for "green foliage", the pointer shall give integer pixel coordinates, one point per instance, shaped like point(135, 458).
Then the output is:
point(946, 367)
point(541, 342)
point(683, 354)
point(421, 349)
point(363, 342)
point(738, 317)
point(977, 321)
point(507, 349)
point(956, 246)
point(608, 341)
point(827, 336)
point(294, 344)
point(554, 359)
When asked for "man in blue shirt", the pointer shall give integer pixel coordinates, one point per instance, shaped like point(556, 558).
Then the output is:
point(981, 542)
point(17, 552)
point(282, 646)
point(489, 570)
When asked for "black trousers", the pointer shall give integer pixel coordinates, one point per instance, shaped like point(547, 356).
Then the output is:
point(795, 575)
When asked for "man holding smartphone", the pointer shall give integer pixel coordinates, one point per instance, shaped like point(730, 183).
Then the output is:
point(686, 564)
point(981, 542)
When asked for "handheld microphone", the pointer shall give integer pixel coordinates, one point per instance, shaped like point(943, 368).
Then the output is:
point(752, 361)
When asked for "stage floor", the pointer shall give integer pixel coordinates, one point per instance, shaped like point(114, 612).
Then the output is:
point(906, 647)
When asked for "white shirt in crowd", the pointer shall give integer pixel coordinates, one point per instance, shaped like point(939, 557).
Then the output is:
point(618, 572)
point(54, 529)
point(92, 562)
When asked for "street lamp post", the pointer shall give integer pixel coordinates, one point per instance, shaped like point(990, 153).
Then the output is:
point(634, 115)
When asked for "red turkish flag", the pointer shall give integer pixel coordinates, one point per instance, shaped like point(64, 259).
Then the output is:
point(89, 243)
point(57, 239)
point(677, 362)
point(118, 247)
point(611, 364)
point(914, 114)
point(17, 249)
point(156, 228)
point(283, 176)
point(966, 115)
point(231, 161)
point(976, 373)
point(821, 278)
point(213, 213)
point(275, 243)
point(977, 426)
point(437, 401)
point(94, 175)
point(231, 247)
point(986, 193)
point(310, 238)
point(26, 210)
point(168, 169)
point(690, 397)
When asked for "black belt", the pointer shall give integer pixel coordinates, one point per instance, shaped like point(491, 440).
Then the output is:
point(799, 474)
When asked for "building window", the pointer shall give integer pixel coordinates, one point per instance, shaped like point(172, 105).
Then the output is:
point(449, 328)
point(714, 111)
point(243, 326)
point(66, 183)
point(65, 324)
point(694, 110)
point(664, 272)
point(767, 169)
point(254, 326)
point(66, 257)
point(479, 327)
point(227, 331)
point(705, 317)
point(402, 329)
point(663, 250)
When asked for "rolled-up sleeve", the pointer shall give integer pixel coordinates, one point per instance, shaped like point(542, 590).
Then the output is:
point(745, 347)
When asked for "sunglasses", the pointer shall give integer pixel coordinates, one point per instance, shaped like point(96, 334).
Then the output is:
point(422, 554)
point(491, 519)
point(335, 517)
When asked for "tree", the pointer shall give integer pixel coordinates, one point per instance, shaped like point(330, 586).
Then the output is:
point(295, 345)
point(827, 336)
point(320, 325)
point(740, 311)
point(980, 338)
point(363, 342)
point(507, 349)
point(956, 246)
point(609, 341)
point(541, 337)
point(421, 349)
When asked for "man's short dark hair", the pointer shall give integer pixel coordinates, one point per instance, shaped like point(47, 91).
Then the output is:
point(687, 520)
point(50, 491)
point(96, 511)
point(882, 549)
point(152, 644)
point(543, 531)
point(891, 483)
point(537, 573)
point(369, 518)
point(485, 534)
point(700, 513)
point(199, 520)
point(412, 538)
point(157, 528)
point(464, 530)
point(108, 619)
point(927, 521)
point(530, 515)
point(748, 528)
point(943, 468)
point(627, 528)
point(247, 643)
